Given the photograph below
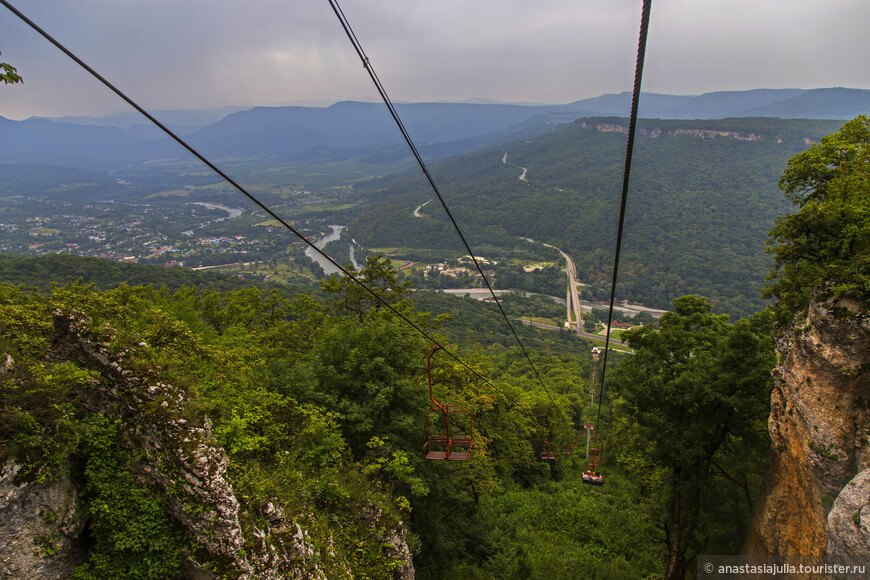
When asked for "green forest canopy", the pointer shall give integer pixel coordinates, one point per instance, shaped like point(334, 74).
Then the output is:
point(825, 245)
point(320, 403)
point(702, 199)
point(321, 407)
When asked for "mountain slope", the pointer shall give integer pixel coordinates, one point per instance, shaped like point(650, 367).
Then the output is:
point(830, 103)
point(281, 132)
point(838, 103)
point(702, 198)
point(707, 106)
point(67, 145)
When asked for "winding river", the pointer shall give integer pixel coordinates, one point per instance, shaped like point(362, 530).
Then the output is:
point(327, 266)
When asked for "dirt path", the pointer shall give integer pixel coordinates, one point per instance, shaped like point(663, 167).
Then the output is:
point(419, 207)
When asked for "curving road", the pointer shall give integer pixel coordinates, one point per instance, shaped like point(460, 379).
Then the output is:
point(574, 299)
point(573, 294)
point(417, 213)
point(579, 332)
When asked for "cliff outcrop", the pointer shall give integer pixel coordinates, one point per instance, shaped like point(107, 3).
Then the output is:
point(44, 522)
point(41, 523)
point(603, 127)
point(818, 481)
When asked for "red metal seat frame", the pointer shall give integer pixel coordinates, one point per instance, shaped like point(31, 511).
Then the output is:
point(548, 449)
point(455, 448)
point(595, 454)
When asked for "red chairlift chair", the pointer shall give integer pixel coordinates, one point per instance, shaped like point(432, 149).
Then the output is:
point(570, 447)
point(595, 454)
point(455, 448)
point(548, 449)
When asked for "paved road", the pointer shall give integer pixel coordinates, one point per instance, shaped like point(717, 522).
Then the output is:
point(573, 294)
point(581, 333)
point(574, 303)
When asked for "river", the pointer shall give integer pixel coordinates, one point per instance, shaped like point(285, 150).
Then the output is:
point(327, 266)
point(351, 250)
point(233, 211)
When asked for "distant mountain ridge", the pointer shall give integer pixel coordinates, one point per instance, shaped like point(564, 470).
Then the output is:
point(179, 117)
point(706, 106)
point(830, 103)
point(288, 132)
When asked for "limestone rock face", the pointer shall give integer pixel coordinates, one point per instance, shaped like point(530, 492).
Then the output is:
point(40, 524)
point(396, 546)
point(819, 425)
point(849, 523)
point(178, 458)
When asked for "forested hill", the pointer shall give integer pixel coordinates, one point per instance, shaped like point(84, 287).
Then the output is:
point(42, 272)
point(348, 129)
point(702, 198)
point(297, 428)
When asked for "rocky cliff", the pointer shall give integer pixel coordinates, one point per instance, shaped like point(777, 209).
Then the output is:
point(818, 482)
point(43, 522)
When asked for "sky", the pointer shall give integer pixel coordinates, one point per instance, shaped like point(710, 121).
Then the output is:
point(206, 54)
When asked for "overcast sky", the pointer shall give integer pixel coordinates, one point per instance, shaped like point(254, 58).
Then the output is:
point(204, 54)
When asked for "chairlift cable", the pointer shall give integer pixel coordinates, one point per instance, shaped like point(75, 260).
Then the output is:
point(632, 126)
point(238, 187)
point(339, 13)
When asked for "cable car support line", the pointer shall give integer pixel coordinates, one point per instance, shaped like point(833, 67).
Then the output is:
point(238, 187)
point(632, 127)
point(339, 13)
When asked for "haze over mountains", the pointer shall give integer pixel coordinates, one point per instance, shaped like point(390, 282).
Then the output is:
point(284, 133)
point(706, 179)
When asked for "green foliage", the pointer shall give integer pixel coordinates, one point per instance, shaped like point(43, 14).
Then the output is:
point(45, 271)
point(468, 322)
point(23, 329)
point(379, 277)
point(270, 439)
point(536, 306)
point(555, 530)
point(321, 408)
point(599, 314)
point(132, 535)
point(396, 466)
point(549, 280)
point(9, 74)
point(698, 212)
point(691, 406)
point(825, 245)
point(37, 425)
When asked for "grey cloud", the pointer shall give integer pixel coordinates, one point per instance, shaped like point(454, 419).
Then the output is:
point(209, 53)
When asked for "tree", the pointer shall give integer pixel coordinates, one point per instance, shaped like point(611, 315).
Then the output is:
point(643, 317)
point(379, 276)
point(826, 243)
point(9, 74)
point(693, 396)
point(589, 325)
